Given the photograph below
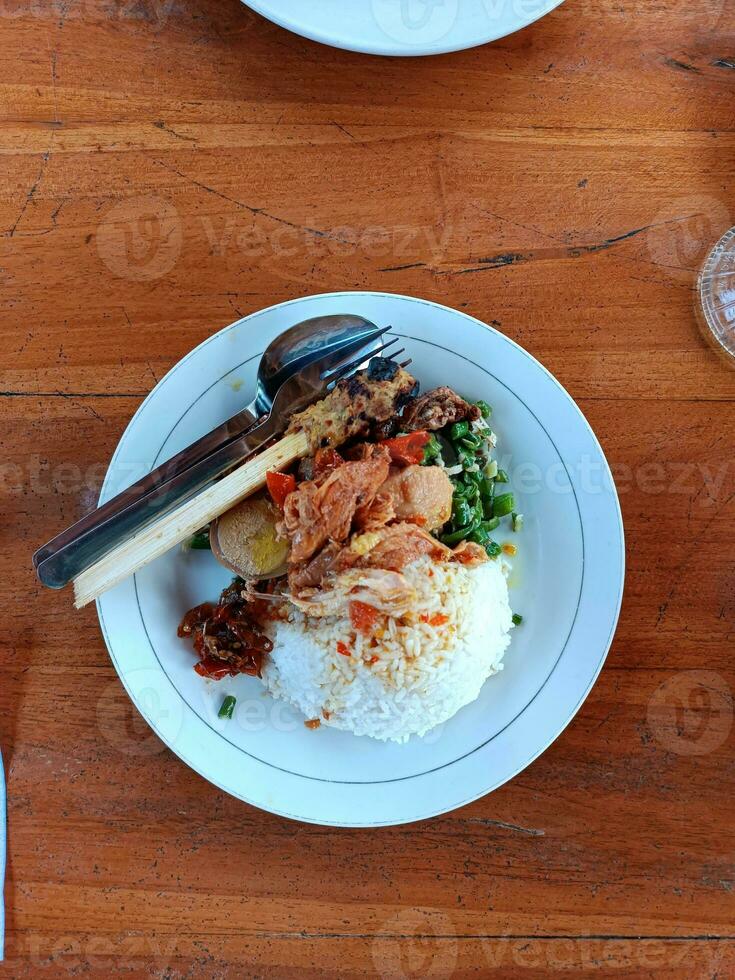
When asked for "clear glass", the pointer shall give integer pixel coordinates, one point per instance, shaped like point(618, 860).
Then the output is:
point(716, 289)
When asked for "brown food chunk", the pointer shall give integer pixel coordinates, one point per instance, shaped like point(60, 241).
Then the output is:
point(352, 406)
point(437, 408)
point(395, 546)
point(377, 513)
point(422, 494)
point(319, 512)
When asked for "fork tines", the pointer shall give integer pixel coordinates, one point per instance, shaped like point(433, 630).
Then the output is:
point(342, 370)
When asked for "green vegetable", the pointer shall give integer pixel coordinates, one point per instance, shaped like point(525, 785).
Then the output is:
point(502, 477)
point(473, 477)
point(459, 430)
point(491, 524)
point(456, 536)
point(491, 470)
point(493, 549)
point(461, 512)
point(200, 541)
point(479, 536)
point(228, 706)
point(487, 488)
point(503, 505)
point(517, 620)
point(432, 451)
point(484, 408)
point(471, 442)
point(516, 521)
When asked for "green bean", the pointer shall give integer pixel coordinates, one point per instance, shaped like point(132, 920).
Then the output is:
point(487, 488)
point(432, 451)
point(461, 512)
point(502, 477)
point(503, 505)
point(516, 521)
point(473, 476)
point(228, 706)
point(517, 619)
point(471, 442)
point(493, 549)
point(458, 430)
point(479, 536)
point(484, 408)
point(491, 524)
point(455, 537)
point(200, 541)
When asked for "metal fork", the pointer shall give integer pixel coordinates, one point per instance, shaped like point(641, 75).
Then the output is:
point(71, 552)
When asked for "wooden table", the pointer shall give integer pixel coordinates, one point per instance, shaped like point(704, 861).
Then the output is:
point(170, 166)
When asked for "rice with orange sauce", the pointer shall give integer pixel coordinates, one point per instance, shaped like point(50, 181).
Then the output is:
point(409, 675)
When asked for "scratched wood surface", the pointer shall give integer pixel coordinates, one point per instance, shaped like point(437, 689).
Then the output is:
point(169, 166)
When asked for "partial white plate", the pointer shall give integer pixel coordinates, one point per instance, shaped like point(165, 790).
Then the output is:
point(403, 27)
point(567, 583)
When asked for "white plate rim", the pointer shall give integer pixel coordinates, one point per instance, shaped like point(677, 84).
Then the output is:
point(348, 296)
point(387, 49)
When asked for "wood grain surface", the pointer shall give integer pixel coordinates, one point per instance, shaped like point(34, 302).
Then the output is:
point(170, 165)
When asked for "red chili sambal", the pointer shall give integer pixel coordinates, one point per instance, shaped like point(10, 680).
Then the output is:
point(227, 638)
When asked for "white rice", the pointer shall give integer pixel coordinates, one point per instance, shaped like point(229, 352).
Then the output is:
point(425, 673)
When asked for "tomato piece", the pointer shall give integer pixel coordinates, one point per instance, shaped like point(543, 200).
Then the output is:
point(343, 649)
point(438, 619)
point(407, 449)
point(280, 485)
point(326, 460)
point(363, 616)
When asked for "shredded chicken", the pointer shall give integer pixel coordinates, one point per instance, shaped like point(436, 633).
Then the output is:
point(385, 590)
point(317, 512)
point(436, 409)
point(422, 494)
point(378, 512)
point(469, 553)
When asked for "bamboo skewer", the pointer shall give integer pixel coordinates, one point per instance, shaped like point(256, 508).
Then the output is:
point(185, 520)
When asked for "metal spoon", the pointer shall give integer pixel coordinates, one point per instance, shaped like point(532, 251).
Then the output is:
point(298, 346)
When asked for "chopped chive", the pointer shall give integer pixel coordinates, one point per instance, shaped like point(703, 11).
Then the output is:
point(493, 549)
point(516, 521)
point(517, 619)
point(491, 523)
point(484, 408)
point(502, 477)
point(503, 505)
point(459, 430)
point(432, 450)
point(228, 706)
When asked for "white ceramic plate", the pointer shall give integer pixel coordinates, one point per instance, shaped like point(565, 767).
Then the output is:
point(403, 27)
point(567, 583)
